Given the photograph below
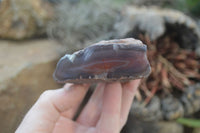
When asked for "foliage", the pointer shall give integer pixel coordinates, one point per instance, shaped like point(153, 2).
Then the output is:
point(194, 6)
point(189, 122)
point(188, 6)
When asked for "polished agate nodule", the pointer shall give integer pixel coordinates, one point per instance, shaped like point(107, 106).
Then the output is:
point(107, 61)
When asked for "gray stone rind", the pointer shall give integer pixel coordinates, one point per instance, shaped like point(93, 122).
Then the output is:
point(156, 22)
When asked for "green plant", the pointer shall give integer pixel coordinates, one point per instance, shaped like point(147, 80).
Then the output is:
point(194, 6)
point(189, 122)
point(189, 6)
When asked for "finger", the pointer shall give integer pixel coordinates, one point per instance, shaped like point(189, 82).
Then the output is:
point(65, 125)
point(109, 121)
point(51, 103)
point(128, 92)
point(65, 100)
point(91, 112)
point(68, 100)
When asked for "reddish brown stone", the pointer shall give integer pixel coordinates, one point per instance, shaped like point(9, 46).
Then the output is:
point(107, 61)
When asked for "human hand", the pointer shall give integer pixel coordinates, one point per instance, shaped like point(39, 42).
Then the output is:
point(106, 111)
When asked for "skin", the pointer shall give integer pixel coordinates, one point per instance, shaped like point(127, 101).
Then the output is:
point(106, 111)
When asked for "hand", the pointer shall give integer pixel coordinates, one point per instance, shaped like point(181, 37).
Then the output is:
point(106, 111)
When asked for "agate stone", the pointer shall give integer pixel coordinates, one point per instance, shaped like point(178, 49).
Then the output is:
point(106, 61)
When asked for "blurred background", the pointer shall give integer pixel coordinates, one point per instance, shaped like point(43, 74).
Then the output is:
point(34, 34)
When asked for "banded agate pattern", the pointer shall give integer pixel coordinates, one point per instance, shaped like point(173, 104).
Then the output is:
point(106, 61)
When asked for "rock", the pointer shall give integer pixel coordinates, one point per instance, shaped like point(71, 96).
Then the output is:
point(136, 126)
point(191, 99)
point(83, 30)
point(171, 108)
point(148, 112)
point(22, 19)
point(105, 61)
point(152, 2)
point(155, 22)
point(169, 127)
point(59, 1)
point(196, 130)
point(26, 70)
